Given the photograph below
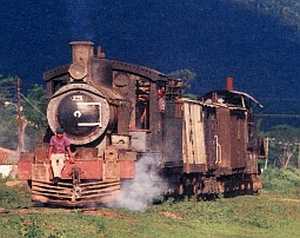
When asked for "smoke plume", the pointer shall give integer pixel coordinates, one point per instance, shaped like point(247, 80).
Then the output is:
point(147, 185)
point(80, 15)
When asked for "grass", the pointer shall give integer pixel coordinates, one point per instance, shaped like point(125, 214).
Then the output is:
point(273, 213)
point(13, 197)
point(282, 181)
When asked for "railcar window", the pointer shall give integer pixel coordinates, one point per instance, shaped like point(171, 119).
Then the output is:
point(142, 104)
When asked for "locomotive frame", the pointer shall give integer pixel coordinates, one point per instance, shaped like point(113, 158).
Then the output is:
point(203, 147)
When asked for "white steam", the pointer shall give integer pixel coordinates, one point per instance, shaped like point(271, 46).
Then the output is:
point(147, 185)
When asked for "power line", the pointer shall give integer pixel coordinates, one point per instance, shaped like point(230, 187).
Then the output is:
point(32, 105)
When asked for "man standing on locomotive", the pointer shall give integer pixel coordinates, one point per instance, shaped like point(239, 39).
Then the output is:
point(59, 147)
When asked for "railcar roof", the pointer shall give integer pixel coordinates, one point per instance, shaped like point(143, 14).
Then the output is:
point(232, 94)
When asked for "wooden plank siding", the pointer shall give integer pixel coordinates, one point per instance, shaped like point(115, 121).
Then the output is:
point(193, 149)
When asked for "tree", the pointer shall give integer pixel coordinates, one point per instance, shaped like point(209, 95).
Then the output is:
point(8, 124)
point(186, 75)
point(284, 145)
point(35, 104)
point(7, 89)
point(33, 114)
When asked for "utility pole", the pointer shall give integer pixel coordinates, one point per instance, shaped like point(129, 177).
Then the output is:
point(267, 144)
point(21, 121)
point(298, 156)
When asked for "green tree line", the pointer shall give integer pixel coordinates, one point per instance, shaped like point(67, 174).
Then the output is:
point(33, 109)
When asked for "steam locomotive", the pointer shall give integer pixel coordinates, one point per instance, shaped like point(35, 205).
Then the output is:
point(116, 114)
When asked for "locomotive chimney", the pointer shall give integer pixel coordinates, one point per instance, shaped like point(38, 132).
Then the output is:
point(229, 83)
point(89, 65)
point(82, 52)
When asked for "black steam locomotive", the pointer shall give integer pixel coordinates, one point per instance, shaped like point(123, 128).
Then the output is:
point(116, 114)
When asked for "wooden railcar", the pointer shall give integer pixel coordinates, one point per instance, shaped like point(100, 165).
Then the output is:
point(219, 147)
point(117, 113)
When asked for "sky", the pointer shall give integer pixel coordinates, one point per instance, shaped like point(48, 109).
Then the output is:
point(256, 41)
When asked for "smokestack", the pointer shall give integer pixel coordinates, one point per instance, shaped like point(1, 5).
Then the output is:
point(82, 51)
point(89, 65)
point(229, 83)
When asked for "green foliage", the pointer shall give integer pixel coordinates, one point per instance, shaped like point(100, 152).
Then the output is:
point(284, 139)
point(262, 216)
point(267, 215)
point(14, 197)
point(8, 124)
point(7, 88)
point(186, 75)
point(31, 229)
point(34, 105)
point(282, 181)
point(284, 133)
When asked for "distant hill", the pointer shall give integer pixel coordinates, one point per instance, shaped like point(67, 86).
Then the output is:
point(211, 37)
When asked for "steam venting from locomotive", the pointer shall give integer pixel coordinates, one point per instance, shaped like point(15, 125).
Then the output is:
point(146, 187)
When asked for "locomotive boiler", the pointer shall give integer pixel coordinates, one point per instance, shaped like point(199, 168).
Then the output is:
point(116, 114)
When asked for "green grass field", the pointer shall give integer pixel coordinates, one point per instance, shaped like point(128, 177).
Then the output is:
point(273, 213)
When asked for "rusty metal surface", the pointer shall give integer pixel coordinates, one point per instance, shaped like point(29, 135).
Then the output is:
point(127, 169)
point(67, 194)
point(41, 154)
point(41, 171)
point(24, 166)
point(239, 135)
point(140, 140)
point(88, 168)
point(210, 128)
point(56, 72)
point(224, 135)
point(111, 165)
point(120, 141)
point(142, 71)
point(155, 119)
point(86, 153)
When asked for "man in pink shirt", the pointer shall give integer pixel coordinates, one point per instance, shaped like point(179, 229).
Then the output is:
point(58, 148)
